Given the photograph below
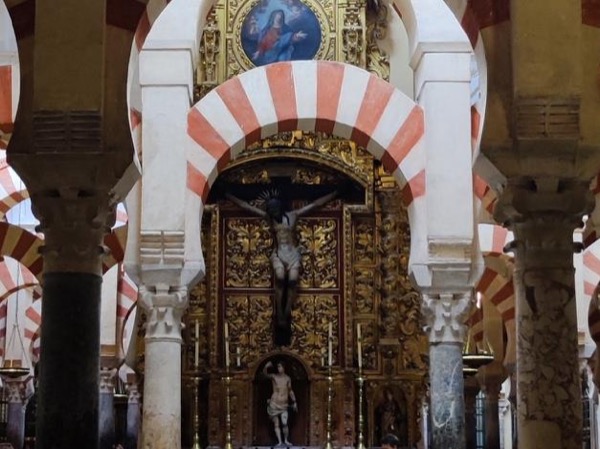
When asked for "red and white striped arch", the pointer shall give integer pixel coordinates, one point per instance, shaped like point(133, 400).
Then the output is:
point(127, 294)
point(322, 96)
point(591, 283)
point(496, 283)
point(115, 242)
point(476, 328)
point(22, 246)
point(12, 188)
point(33, 326)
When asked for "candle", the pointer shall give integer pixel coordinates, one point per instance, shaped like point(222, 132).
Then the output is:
point(329, 344)
point(226, 345)
point(238, 357)
point(197, 344)
point(359, 340)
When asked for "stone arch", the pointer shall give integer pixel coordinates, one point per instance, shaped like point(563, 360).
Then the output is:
point(329, 97)
point(9, 76)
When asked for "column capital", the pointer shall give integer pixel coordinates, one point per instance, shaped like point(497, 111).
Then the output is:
point(107, 380)
point(74, 223)
point(542, 199)
point(133, 390)
point(165, 306)
point(445, 314)
point(17, 391)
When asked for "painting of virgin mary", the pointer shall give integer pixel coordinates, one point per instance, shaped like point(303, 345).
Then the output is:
point(280, 30)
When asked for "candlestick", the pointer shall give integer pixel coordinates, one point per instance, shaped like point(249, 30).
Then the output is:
point(226, 345)
point(359, 340)
point(197, 344)
point(329, 344)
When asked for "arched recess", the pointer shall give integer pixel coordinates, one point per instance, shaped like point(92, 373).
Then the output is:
point(320, 96)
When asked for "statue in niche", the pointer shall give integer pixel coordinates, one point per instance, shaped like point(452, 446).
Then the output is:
point(285, 258)
point(281, 402)
point(391, 417)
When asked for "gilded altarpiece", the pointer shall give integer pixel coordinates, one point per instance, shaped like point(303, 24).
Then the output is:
point(354, 260)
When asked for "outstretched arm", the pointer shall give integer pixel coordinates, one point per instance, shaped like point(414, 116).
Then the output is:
point(316, 203)
point(246, 206)
point(266, 369)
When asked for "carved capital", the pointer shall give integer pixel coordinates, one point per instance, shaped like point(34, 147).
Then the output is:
point(165, 306)
point(133, 390)
point(17, 391)
point(74, 223)
point(445, 315)
point(526, 199)
point(107, 380)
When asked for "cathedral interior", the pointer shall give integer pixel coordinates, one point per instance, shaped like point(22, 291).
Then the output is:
point(307, 223)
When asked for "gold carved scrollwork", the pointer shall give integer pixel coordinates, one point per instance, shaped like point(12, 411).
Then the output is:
point(318, 240)
point(249, 318)
point(248, 247)
point(210, 49)
point(353, 35)
point(310, 325)
point(363, 266)
point(378, 61)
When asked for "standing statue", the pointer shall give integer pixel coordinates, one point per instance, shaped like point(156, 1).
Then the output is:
point(285, 258)
point(278, 406)
point(391, 417)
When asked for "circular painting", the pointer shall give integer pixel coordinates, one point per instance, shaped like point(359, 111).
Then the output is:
point(280, 30)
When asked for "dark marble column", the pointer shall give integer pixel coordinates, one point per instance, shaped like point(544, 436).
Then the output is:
point(445, 314)
point(491, 386)
point(543, 216)
point(471, 391)
point(134, 416)
point(69, 365)
point(107, 409)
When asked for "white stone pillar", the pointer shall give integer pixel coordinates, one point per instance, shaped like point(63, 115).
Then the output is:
point(164, 307)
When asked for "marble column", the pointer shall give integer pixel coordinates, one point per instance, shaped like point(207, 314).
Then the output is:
point(133, 413)
point(74, 224)
point(107, 408)
point(543, 215)
point(444, 315)
point(17, 402)
point(471, 391)
point(162, 369)
point(490, 379)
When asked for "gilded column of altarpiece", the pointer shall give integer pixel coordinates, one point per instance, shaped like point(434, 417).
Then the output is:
point(354, 259)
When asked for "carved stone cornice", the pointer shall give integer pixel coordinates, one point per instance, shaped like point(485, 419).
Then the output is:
point(165, 306)
point(445, 315)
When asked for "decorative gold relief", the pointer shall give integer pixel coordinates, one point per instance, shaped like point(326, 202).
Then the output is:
point(249, 318)
point(248, 247)
point(378, 61)
point(318, 240)
point(210, 49)
point(353, 35)
point(310, 325)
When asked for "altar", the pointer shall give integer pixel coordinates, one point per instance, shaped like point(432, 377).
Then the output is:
point(354, 256)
